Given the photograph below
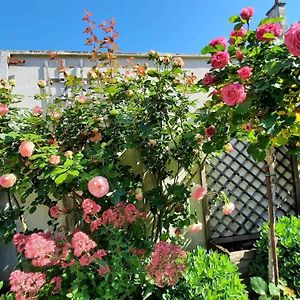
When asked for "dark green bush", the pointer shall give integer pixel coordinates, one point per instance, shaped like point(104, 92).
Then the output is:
point(211, 276)
point(288, 233)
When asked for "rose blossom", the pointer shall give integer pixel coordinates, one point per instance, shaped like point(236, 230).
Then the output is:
point(292, 39)
point(247, 13)
point(244, 72)
point(37, 110)
point(208, 79)
point(239, 55)
point(178, 61)
point(228, 208)
point(236, 34)
point(7, 180)
point(98, 186)
point(3, 109)
point(82, 243)
point(210, 131)
point(26, 148)
point(54, 159)
point(233, 93)
point(220, 41)
point(220, 59)
point(198, 192)
point(195, 228)
point(274, 29)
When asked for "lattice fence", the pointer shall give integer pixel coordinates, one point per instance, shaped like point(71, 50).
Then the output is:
point(243, 180)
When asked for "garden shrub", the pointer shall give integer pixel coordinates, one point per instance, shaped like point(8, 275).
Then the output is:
point(288, 249)
point(211, 275)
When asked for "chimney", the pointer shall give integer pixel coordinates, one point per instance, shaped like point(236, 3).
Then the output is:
point(278, 10)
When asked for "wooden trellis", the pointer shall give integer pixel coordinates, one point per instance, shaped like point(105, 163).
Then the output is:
point(243, 180)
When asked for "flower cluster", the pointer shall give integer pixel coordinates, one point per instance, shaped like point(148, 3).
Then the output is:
point(167, 264)
point(118, 216)
point(82, 243)
point(26, 285)
point(90, 208)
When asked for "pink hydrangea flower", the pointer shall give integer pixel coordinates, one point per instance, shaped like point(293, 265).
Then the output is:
point(82, 243)
point(220, 59)
point(8, 180)
point(37, 110)
point(26, 148)
point(3, 109)
point(233, 93)
point(208, 79)
point(85, 260)
point(26, 285)
point(274, 29)
point(292, 39)
point(20, 240)
point(220, 41)
point(210, 131)
point(103, 270)
point(247, 13)
point(99, 254)
point(90, 207)
point(195, 228)
point(56, 281)
point(198, 192)
point(54, 159)
point(167, 264)
point(245, 72)
point(228, 208)
point(98, 186)
point(55, 211)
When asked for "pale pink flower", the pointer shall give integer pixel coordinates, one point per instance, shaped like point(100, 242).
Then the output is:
point(210, 131)
point(81, 99)
point(104, 270)
point(274, 29)
point(195, 228)
point(178, 61)
point(55, 211)
point(198, 192)
point(247, 13)
point(8, 180)
point(292, 39)
point(98, 186)
point(245, 72)
point(20, 240)
point(54, 159)
point(99, 254)
point(228, 208)
point(90, 207)
point(37, 110)
point(82, 243)
point(26, 148)
point(220, 59)
point(220, 41)
point(233, 93)
point(85, 260)
point(3, 109)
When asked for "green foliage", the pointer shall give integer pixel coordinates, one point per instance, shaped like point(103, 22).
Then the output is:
point(211, 275)
point(288, 249)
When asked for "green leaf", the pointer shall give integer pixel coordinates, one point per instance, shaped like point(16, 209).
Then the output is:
point(1, 284)
point(269, 35)
point(234, 19)
point(208, 49)
point(243, 108)
point(69, 295)
point(270, 21)
point(275, 68)
point(61, 178)
point(274, 290)
point(32, 209)
point(238, 26)
point(259, 286)
point(69, 163)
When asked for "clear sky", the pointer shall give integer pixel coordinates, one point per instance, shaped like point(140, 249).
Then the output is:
point(177, 26)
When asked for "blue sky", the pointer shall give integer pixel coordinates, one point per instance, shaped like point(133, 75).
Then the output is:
point(178, 26)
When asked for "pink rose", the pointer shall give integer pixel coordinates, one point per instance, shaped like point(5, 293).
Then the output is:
point(248, 127)
point(274, 29)
point(210, 131)
point(220, 59)
point(195, 228)
point(198, 192)
point(247, 13)
point(54, 159)
point(208, 79)
point(220, 41)
point(233, 93)
point(239, 55)
point(81, 99)
point(37, 110)
point(236, 34)
point(244, 72)
point(98, 186)
point(292, 39)
point(228, 208)
point(26, 148)
point(7, 180)
point(3, 109)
